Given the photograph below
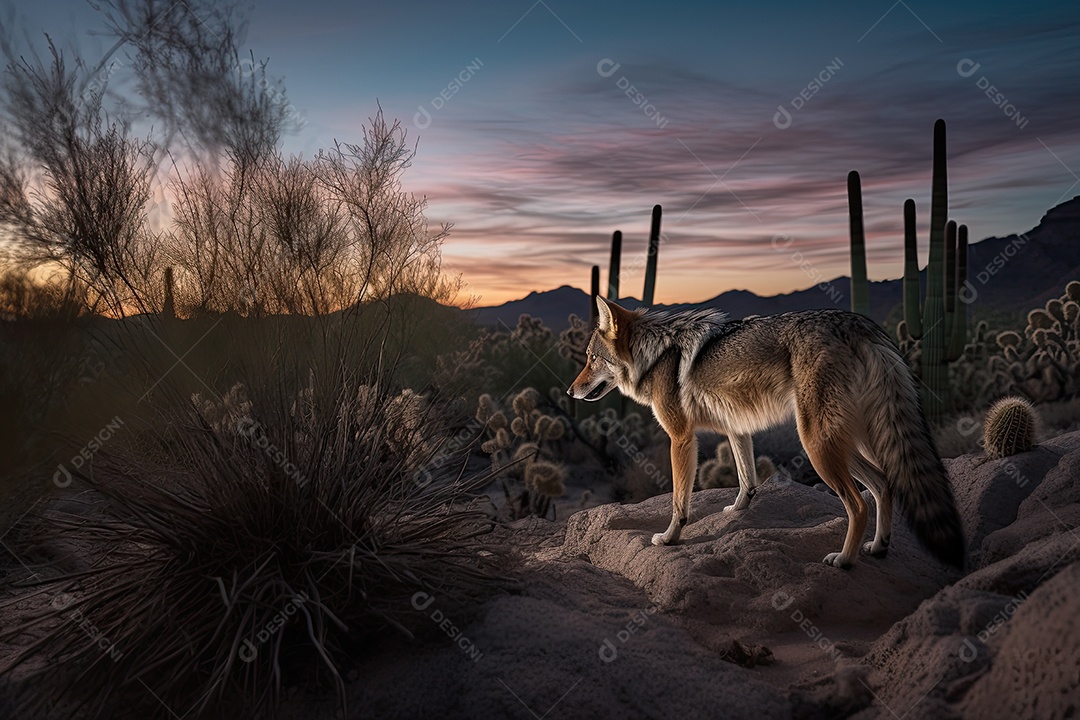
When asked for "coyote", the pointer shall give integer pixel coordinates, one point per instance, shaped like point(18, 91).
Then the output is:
point(855, 401)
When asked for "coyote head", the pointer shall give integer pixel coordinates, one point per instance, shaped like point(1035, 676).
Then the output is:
point(603, 368)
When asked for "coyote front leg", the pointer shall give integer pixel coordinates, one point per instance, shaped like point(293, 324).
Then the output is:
point(742, 447)
point(683, 471)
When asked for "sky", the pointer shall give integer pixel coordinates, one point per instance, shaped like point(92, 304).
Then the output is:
point(544, 125)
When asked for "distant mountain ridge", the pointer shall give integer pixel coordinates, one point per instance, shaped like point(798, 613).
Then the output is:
point(1008, 275)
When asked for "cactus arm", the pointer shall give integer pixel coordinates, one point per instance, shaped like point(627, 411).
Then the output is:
point(654, 249)
point(912, 303)
point(593, 292)
point(613, 269)
point(860, 295)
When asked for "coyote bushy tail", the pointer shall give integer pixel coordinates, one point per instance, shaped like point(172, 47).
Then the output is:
point(904, 446)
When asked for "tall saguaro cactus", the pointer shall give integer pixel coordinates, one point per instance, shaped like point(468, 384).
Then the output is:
point(934, 373)
point(912, 291)
point(860, 291)
point(654, 249)
point(613, 269)
point(941, 322)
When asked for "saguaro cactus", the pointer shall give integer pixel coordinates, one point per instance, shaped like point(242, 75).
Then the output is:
point(935, 375)
point(613, 269)
point(941, 323)
point(593, 292)
point(654, 249)
point(912, 291)
point(860, 291)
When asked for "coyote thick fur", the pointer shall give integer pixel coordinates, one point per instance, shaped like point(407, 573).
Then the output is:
point(855, 401)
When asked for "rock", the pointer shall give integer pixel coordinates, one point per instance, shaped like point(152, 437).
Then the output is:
point(752, 572)
point(989, 492)
point(1036, 666)
point(1052, 506)
point(942, 649)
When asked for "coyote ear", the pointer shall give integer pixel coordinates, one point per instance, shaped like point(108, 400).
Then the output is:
point(605, 320)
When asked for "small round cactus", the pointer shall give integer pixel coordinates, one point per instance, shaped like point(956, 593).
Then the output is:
point(1009, 428)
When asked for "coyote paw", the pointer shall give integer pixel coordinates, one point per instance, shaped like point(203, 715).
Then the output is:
point(836, 559)
point(731, 508)
point(876, 552)
point(659, 539)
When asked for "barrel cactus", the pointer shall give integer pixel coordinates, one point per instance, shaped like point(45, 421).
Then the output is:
point(1009, 428)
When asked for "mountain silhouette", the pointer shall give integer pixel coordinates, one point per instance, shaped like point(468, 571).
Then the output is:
point(1007, 277)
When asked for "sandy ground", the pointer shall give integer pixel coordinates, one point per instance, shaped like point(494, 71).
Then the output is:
point(741, 619)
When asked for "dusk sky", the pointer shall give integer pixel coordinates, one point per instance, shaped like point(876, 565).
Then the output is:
point(539, 148)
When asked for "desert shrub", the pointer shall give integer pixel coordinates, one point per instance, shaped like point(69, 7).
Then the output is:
point(248, 542)
point(524, 451)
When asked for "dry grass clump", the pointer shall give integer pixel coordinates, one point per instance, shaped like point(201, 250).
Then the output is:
point(250, 549)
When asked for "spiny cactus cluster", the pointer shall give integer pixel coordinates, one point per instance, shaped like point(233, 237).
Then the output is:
point(1042, 364)
point(574, 340)
point(608, 428)
point(516, 447)
point(720, 471)
point(1009, 427)
point(970, 376)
